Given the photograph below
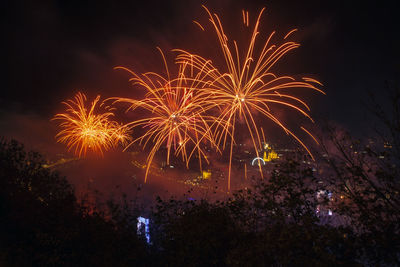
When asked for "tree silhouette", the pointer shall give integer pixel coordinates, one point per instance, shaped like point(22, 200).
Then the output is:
point(42, 224)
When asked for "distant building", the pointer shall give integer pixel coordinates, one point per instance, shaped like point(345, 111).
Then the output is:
point(206, 174)
point(143, 228)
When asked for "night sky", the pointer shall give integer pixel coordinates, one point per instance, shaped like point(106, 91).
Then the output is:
point(52, 49)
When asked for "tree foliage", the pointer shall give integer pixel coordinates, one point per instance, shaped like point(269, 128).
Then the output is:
point(345, 211)
point(42, 224)
point(273, 224)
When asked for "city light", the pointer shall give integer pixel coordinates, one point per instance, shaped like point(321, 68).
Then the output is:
point(143, 228)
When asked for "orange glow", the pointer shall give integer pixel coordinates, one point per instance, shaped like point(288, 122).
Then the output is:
point(247, 86)
point(175, 114)
point(83, 129)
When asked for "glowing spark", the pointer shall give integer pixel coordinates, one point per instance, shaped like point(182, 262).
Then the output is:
point(289, 33)
point(84, 129)
point(304, 129)
point(198, 24)
point(247, 86)
point(175, 114)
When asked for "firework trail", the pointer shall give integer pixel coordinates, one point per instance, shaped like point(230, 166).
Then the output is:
point(83, 129)
point(246, 86)
point(175, 116)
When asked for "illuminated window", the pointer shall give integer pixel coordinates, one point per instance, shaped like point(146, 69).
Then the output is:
point(143, 228)
point(324, 193)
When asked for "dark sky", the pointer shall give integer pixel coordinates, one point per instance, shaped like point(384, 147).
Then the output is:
point(55, 48)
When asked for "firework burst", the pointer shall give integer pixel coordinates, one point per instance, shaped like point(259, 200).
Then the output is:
point(175, 114)
point(247, 86)
point(83, 129)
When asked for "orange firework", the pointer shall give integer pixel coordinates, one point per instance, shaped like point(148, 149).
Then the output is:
point(247, 86)
point(83, 129)
point(175, 114)
point(120, 134)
